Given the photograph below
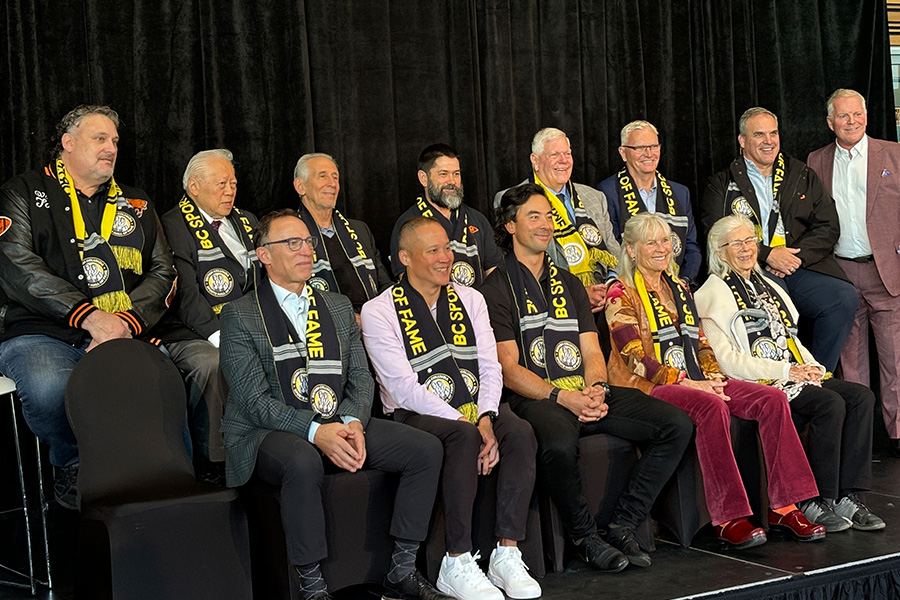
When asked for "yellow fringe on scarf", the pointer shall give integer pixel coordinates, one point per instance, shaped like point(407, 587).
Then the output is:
point(470, 411)
point(574, 383)
point(218, 308)
point(112, 302)
point(596, 255)
point(128, 258)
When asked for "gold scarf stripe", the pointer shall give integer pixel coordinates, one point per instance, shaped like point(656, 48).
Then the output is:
point(567, 234)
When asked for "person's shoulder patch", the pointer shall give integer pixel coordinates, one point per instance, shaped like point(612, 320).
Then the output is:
point(5, 224)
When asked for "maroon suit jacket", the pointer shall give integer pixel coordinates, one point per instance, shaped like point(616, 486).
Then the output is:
point(882, 203)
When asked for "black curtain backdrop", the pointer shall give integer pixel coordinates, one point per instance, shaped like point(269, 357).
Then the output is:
point(372, 82)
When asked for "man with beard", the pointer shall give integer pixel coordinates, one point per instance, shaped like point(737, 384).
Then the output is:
point(471, 237)
point(797, 224)
point(346, 259)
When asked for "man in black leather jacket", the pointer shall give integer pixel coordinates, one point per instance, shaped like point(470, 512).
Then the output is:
point(83, 260)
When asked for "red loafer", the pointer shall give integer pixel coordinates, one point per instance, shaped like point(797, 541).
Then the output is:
point(740, 534)
point(797, 525)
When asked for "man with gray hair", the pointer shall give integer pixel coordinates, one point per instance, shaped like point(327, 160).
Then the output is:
point(640, 187)
point(861, 174)
point(83, 260)
point(346, 259)
point(213, 245)
point(584, 242)
point(797, 225)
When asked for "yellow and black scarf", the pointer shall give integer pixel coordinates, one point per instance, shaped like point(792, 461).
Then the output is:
point(310, 373)
point(215, 273)
point(739, 205)
point(323, 273)
point(581, 242)
point(667, 207)
point(105, 253)
point(442, 352)
point(466, 268)
point(548, 324)
point(675, 343)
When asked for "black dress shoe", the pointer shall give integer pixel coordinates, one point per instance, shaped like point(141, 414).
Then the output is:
point(600, 555)
point(622, 539)
point(412, 587)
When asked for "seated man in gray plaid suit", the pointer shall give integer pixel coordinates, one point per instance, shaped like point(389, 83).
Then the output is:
point(299, 406)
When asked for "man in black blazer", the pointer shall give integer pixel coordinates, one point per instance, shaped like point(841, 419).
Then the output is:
point(346, 259)
point(299, 405)
point(213, 246)
point(797, 224)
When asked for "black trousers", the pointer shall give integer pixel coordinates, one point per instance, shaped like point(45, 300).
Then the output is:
point(839, 448)
point(297, 466)
point(662, 430)
point(459, 479)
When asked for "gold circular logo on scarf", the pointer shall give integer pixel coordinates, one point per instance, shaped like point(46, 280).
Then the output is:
point(538, 352)
point(323, 400)
point(674, 357)
point(218, 282)
point(463, 273)
point(740, 206)
point(765, 347)
point(318, 283)
point(441, 385)
point(299, 384)
point(676, 245)
point(590, 234)
point(123, 225)
point(567, 355)
point(574, 253)
point(470, 380)
point(95, 271)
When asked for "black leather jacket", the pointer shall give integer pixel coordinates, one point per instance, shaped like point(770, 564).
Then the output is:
point(42, 285)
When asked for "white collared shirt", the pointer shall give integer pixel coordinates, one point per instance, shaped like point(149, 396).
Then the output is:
point(230, 237)
point(848, 184)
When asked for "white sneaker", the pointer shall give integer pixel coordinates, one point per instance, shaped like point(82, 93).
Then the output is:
point(508, 572)
point(461, 578)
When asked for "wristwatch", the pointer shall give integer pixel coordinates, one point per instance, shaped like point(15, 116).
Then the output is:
point(554, 394)
point(606, 389)
point(489, 414)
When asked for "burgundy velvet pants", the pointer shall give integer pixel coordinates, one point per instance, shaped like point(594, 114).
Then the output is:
point(790, 478)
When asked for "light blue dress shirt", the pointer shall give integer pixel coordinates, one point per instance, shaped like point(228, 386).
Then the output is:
point(762, 185)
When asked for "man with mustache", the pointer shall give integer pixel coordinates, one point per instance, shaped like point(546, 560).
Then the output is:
point(797, 224)
point(83, 260)
point(861, 173)
point(471, 237)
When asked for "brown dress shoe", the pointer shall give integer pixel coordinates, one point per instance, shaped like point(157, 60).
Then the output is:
point(797, 525)
point(740, 534)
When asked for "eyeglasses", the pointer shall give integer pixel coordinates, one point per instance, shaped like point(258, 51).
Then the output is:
point(642, 149)
point(295, 243)
point(738, 244)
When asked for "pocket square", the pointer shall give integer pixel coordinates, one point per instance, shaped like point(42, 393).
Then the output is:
point(885, 173)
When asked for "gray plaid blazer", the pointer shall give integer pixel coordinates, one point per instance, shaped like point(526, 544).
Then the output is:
point(255, 404)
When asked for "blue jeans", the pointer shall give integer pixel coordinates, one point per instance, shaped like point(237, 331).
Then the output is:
point(40, 365)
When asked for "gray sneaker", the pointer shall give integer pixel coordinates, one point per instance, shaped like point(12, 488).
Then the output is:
point(854, 510)
point(64, 486)
point(818, 510)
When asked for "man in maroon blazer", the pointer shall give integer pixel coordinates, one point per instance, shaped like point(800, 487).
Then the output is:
point(863, 176)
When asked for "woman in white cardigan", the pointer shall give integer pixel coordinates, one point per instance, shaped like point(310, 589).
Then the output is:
point(750, 323)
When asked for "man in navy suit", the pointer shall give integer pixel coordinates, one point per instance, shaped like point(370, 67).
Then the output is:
point(639, 187)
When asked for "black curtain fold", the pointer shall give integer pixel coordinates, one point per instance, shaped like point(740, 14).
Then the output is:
point(373, 82)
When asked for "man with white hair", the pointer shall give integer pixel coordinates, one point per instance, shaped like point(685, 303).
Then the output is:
point(346, 259)
point(862, 174)
point(640, 187)
point(213, 246)
point(584, 241)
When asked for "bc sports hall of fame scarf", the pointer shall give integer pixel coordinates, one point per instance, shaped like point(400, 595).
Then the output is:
point(466, 269)
point(667, 207)
point(737, 204)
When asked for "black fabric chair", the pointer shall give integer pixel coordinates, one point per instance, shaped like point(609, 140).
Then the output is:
point(483, 522)
point(606, 463)
point(148, 529)
point(358, 509)
point(681, 506)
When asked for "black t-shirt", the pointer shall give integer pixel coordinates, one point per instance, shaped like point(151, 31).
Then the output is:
point(505, 316)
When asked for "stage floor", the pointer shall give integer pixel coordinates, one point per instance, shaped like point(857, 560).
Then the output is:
point(704, 570)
